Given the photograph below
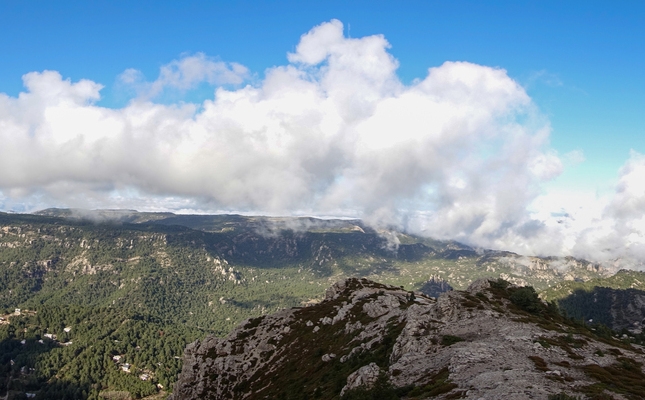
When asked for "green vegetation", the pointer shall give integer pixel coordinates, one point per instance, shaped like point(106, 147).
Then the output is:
point(439, 384)
point(601, 305)
point(562, 396)
point(135, 292)
point(137, 287)
point(547, 316)
point(449, 340)
point(604, 304)
point(623, 279)
point(305, 374)
point(382, 390)
point(79, 363)
point(527, 299)
point(625, 377)
point(539, 362)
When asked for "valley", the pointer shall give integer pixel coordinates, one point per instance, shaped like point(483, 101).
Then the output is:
point(109, 299)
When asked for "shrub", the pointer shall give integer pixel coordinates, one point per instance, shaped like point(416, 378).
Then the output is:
point(562, 396)
point(382, 390)
point(527, 299)
point(448, 340)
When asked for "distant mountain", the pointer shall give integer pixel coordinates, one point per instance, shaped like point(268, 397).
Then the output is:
point(623, 279)
point(368, 340)
point(345, 247)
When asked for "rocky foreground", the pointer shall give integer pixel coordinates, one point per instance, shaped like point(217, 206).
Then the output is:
point(492, 341)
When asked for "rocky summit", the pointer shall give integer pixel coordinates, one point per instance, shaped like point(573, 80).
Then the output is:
point(367, 340)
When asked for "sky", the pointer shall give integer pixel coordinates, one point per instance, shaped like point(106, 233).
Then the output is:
point(503, 124)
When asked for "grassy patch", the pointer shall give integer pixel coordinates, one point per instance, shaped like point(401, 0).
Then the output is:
point(527, 299)
point(566, 343)
point(449, 340)
point(624, 377)
point(562, 396)
point(439, 384)
point(382, 390)
point(539, 362)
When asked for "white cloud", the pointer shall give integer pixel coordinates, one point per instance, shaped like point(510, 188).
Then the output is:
point(574, 157)
point(619, 233)
point(459, 154)
point(184, 74)
point(608, 228)
point(629, 201)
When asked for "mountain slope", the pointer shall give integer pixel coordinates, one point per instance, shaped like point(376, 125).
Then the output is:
point(492, 341)
point(623, 279)
point(330, 249)
point(615, 308)
point(617, 301)
point(123, 281)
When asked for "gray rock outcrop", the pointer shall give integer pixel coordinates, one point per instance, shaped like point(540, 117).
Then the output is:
point(365, 377)
point(472, 344)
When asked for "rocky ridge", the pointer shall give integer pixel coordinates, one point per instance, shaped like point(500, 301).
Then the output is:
point(492, 341)
point(321, 251)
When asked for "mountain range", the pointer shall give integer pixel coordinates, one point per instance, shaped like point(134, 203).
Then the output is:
point(109, 299)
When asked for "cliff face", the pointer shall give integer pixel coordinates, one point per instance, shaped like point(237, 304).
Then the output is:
point(491, 341)
point(616, 308)
point(629, 310)
point(434, 286)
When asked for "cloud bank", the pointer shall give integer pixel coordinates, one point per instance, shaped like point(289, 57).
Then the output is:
point(459, 154)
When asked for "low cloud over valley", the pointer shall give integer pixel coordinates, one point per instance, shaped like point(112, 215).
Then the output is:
point(462, 153)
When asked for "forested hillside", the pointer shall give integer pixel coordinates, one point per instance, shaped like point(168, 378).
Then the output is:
point(108, 300)
point(617, 301)
point(623, 279)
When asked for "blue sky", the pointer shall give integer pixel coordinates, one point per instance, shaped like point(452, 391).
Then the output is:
point(581, 64)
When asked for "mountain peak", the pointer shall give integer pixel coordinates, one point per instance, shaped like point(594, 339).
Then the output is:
point(493, 340)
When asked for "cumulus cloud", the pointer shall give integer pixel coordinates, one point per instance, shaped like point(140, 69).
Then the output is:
point(607, 228)
point(617, 234)
point(185, 74)
point(460, 153)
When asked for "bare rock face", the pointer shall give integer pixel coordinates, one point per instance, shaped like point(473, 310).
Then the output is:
point(479, 286)
point(434, 286)
point(365, 377)
point(616, 308)
point(480, 343)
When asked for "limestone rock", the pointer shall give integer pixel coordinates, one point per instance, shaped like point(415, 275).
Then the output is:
point(434, 286)
point(366, 377)
point(479, 286)
point(471, 345)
